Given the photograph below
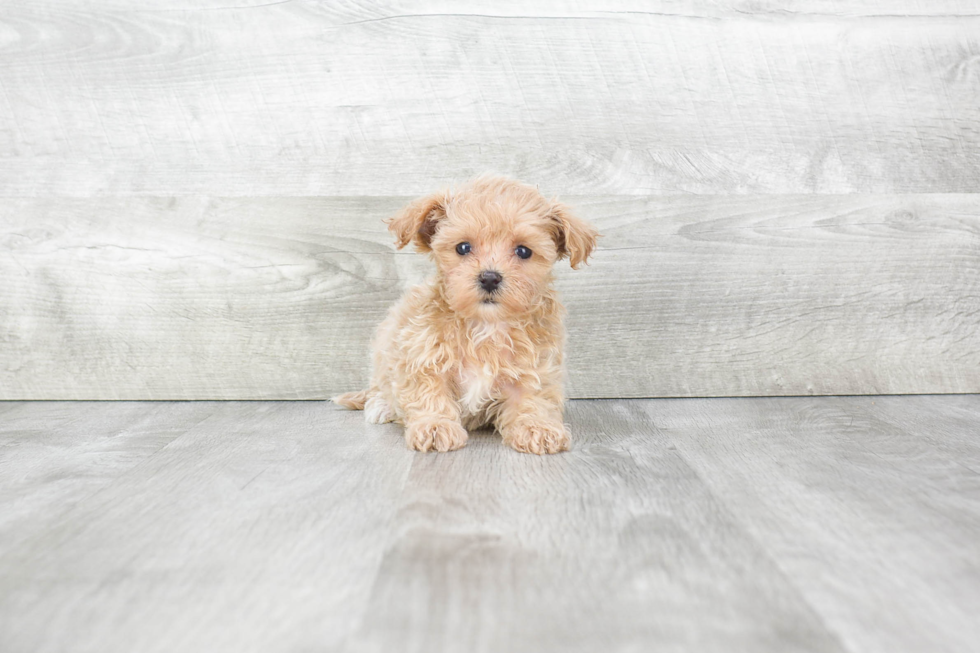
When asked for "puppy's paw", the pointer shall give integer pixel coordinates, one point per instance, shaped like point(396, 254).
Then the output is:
point(538, 437)
point(377, 411)
point(436, 434)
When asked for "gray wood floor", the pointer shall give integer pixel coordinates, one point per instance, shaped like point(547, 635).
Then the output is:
point(778, 524)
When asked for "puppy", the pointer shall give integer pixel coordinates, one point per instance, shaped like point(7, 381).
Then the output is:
point(481, 342)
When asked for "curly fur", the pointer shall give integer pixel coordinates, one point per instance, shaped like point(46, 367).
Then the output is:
point(451, 356)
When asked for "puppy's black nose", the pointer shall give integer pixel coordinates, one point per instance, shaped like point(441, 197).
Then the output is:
point(490, 279)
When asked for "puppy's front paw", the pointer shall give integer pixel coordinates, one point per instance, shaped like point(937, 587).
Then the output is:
point(437, 434)
point(537, 437)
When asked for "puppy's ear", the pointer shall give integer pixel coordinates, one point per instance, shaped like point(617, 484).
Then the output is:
point(417, 222)
point(574, 237)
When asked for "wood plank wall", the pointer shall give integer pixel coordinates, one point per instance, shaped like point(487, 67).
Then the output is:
point(191, 193)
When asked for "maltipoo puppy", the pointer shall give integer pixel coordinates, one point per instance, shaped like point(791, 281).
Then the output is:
point(481, 342)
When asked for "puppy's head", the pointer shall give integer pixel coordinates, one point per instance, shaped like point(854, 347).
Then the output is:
point(495, 241)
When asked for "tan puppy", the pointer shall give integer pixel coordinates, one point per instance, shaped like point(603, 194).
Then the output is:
point(481, 342)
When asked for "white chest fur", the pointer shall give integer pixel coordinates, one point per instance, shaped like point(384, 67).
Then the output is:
point(488, 347)
point(475, 388)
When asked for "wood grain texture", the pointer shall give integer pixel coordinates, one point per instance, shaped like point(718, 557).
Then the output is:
point(755, 525)
point(277, 298)
point(615, 546)
point(54, 456)
point(316, 98)
point(260, 528)
point(871, 504)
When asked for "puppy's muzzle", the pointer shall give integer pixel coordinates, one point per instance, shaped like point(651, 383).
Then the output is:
point(489, 280)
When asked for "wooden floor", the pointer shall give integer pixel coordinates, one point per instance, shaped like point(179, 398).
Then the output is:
point(783, 524)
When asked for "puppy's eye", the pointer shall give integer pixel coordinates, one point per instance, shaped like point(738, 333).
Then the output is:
point(463, 249)
point(522, 252)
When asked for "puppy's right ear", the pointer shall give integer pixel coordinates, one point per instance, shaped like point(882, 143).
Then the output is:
point(418, 221)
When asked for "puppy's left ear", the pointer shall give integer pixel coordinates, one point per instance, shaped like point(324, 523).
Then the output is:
point(574, 237)
point(418, 221)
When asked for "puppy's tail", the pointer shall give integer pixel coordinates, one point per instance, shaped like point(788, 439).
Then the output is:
point(352, 400)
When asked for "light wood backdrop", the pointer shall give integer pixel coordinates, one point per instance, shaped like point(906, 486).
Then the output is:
point(192, 192)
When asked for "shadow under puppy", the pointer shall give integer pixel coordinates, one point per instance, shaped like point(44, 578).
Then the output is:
point(481, 342)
